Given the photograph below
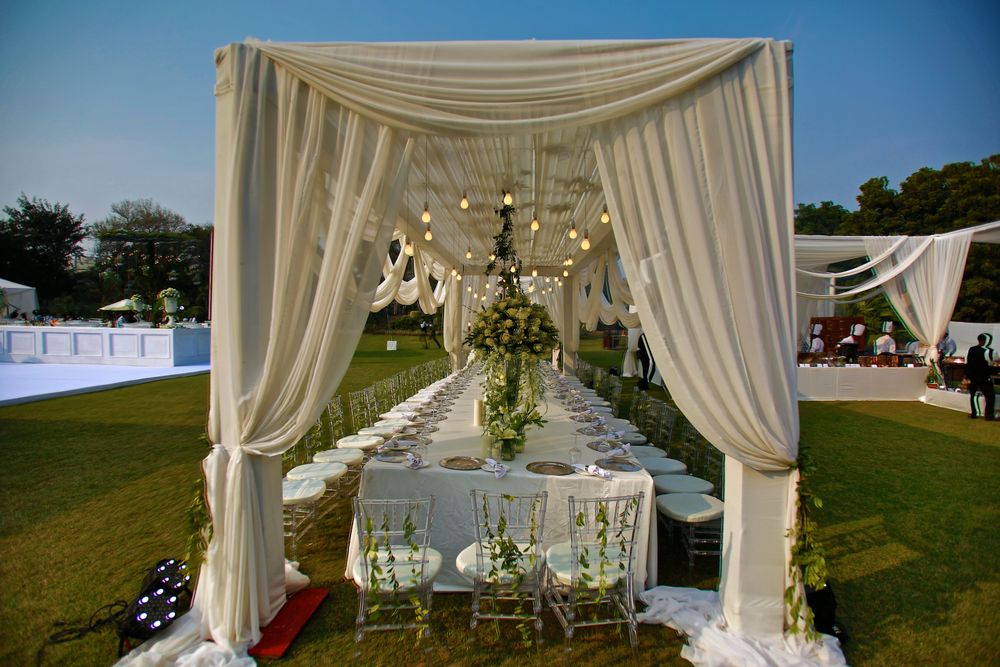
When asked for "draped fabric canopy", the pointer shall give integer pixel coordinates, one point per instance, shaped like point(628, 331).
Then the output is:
point(323, 150)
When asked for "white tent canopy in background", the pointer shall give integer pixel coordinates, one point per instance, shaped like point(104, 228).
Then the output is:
point(688, 144)
point(15, 295)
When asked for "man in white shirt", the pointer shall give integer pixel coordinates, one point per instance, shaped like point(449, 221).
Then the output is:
point(885, 344)
point(850, 345)
point(817, 346)
point(947, 347)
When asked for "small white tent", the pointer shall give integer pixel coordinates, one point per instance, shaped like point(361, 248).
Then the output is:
point(14, 295)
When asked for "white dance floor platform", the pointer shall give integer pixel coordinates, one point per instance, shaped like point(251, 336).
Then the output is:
point(22, 383)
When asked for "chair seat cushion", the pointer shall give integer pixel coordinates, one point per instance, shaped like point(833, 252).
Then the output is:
point(559, 561)
point(466, 564)
point(360, 442)
point(384, 432)
point(403, 569)
point(634, 438)
point(325, 472)
point(301, 491)
point(690, 507)
point(682, 484)
point(349, 457)
point(661, 465)
point(648, 452)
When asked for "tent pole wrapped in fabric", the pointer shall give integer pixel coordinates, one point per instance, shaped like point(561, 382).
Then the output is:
point(315, 145)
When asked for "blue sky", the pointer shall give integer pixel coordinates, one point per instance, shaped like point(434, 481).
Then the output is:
point(104, 101)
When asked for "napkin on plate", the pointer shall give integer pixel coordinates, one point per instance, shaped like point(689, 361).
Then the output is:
point(499, 469)
point(414, 462)
point(596, 471)
point(621, 450)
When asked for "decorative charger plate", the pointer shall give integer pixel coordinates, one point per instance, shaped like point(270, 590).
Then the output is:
point(602, 445)
point(592, 430)
point(462, 463)
point(429, 428)
point(549, 468)
point(391, 457)
point(586, 417)
point(618, 465)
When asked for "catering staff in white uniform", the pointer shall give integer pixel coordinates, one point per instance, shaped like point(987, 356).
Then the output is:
point(817, 346)
point(856, 339)
point(885, 344)
point(947, 347)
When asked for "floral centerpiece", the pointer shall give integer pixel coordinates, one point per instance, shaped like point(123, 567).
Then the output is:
point(511, 337)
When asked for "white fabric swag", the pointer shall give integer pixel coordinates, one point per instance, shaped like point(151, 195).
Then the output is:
point(693, 144)
point(306, 210)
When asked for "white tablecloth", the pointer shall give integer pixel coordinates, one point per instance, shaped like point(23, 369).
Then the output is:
point(861, 384)
point(452, 523)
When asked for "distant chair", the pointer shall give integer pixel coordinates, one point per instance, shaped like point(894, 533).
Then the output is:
point(396, 566)
point(589, 578)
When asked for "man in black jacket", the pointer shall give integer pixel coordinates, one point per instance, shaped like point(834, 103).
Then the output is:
point(979, 371)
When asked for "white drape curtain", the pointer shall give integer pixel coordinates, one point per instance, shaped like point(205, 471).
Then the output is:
point(304, 212)
point(700, 197)
point(924, 295)
point(595, 305)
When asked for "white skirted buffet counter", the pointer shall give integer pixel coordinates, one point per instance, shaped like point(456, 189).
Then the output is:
point(92, 345)
point(861, 384)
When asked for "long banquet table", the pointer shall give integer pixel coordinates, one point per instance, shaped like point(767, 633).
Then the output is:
point(452, 528)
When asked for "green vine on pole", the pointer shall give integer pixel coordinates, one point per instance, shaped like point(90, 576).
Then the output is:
point(808, 558)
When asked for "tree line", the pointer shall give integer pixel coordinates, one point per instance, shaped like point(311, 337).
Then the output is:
point(140, 248)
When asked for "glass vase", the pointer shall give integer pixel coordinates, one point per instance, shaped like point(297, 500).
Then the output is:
point(507, 450)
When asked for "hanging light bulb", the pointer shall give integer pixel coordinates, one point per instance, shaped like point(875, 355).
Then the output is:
point(534, 222)
point(569, 261)
point(492, 257)
point(585, 244)
point(475, 295)
point(508, 198)
point(464, 204)
point(408, 248)
point(426, 215)
point(513, 268)
point(565, 273)
point(572, 230)
point(469, 289)
point(458, 277)
point(531, 288)
point(605, 216)
point(534, 273)
point(548, 279)
point(454, 272)
point(427, 235)
point(468, 253)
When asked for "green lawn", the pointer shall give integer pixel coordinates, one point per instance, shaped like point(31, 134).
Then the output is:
point(93, 489)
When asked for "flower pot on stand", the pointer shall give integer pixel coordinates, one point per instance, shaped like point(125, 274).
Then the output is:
point(170, 307)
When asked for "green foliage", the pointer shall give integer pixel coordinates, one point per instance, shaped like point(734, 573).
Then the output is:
point(823, 220)
point(808, 562)
point(39, 243)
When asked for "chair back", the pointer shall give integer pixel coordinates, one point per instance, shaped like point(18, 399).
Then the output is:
point(602, 537)
point(508, 533)
point(400, 528)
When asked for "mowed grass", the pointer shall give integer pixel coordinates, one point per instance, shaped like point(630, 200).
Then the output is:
point(94, 486)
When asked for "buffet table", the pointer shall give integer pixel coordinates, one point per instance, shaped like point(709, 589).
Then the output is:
point(94, 345)
point(452, 522)
point(861, 384)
